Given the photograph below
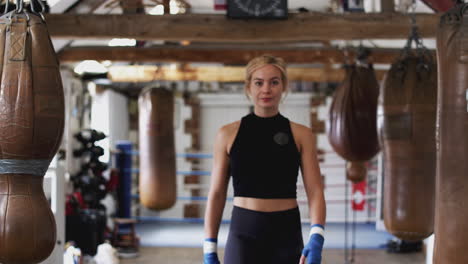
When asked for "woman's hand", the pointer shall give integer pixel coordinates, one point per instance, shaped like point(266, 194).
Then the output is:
point(210, 255)
point(313, 250)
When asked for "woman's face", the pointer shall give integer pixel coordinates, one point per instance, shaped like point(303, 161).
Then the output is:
point(266, 87)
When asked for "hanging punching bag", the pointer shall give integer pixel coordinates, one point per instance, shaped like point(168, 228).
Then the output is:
point(451, 212)
point(408, 115)
point(356, 171)
point(31, 127)
point(352, 129)
point(157, 150)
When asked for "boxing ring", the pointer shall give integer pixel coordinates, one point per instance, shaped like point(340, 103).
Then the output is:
point(363, 198)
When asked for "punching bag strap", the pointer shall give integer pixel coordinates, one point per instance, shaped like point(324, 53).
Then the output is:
point(18, 40)
point(38, 11)
point(34, 167)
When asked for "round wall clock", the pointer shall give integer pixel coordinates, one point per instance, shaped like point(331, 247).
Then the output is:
point(270, 9)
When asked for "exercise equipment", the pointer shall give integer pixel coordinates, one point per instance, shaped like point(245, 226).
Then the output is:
point(157, 181)
point(32, 122)
point(352, 120)
point(408, 117)
point(356, 171)
point(451, 213)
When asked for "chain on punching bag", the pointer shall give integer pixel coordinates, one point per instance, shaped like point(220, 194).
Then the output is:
point(407, 114)
point(157, 150)
point(31, 127)
point(352, 129)
point(451, 212)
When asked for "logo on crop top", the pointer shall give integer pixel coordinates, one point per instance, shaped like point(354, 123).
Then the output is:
point(281, 138)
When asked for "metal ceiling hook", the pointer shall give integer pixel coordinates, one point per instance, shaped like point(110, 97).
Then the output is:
point(19, 6)
point(7, 5)
point(33, 6)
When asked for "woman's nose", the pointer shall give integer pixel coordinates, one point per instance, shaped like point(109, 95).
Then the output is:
point(266, 87)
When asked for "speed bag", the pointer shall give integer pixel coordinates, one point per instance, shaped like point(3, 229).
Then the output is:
point(407, 117)
point(352, 125)
point(32, 122)
point(451, 212)
point(157, 182)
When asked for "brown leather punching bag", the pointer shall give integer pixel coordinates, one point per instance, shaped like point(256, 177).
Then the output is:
point(157, 149)
point(408, 116)
point(356, 171)
point(451, 211)
point(352, 129)
point(31, 127)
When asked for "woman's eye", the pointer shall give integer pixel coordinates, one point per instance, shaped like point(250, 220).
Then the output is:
point(275, 82)
point(258, 83)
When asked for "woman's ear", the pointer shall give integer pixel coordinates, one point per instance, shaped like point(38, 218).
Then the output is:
point(247, 90)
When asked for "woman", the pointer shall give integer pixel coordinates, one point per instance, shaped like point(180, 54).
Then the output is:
point(263, 152)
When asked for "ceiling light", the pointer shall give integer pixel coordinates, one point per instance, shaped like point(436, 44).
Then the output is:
point(90, 66)
point(122, 42)
point(157, 10)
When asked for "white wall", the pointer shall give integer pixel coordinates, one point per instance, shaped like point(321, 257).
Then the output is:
point(109, 114)
point(55, 185)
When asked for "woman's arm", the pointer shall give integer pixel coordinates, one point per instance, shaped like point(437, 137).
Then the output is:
point(218, 185)
point(312, 177)
point(312, 252)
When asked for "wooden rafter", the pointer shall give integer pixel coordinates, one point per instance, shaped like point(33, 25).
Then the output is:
point(217, 55)
point(220, 74)
point(217, 28)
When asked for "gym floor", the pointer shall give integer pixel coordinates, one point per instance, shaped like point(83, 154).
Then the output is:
point(180, 243)
point(151, 255)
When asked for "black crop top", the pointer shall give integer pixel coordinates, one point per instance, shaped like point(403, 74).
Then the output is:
point(264, 159)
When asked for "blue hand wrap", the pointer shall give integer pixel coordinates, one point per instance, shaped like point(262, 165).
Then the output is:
point(210, 256)
point(313, 250)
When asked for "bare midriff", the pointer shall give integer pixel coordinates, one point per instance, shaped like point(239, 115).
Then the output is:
point(265, 205)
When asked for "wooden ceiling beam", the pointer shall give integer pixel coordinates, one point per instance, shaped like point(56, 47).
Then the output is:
point(217, 55)
point(311, 26)
point(148, 73)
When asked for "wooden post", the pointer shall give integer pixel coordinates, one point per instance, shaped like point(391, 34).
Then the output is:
point(167, 6)
point(192, 127)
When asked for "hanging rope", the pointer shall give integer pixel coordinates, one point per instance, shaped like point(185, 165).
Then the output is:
point(350, 251)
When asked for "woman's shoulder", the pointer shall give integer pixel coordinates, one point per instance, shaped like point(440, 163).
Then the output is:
point(300, 129)
point(230, 129)
point(303, 134)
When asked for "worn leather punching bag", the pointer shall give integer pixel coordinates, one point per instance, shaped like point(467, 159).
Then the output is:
point(408, 117)
point(352, 127)
point(451, 212)
point(157, 149)
point(31, 128)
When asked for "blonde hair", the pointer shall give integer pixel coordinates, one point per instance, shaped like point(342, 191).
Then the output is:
point(260, 61)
